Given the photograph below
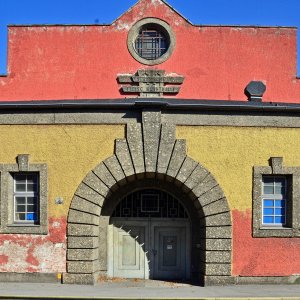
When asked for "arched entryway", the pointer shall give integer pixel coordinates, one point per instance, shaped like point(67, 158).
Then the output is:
point(149, 237)
point(149, 158)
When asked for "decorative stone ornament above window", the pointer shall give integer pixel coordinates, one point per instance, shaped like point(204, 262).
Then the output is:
point(276, 192)
point(151, 41)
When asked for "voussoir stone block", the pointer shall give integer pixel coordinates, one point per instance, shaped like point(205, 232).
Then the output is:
point(196, 177)
point(102, 172)
point(123, 154)
point(186, 169)
point(82, 230)
point(80, 242)
point(135, 143)
point(85, 206)
point(80, 217)
point(85, 192)
point(216, 207)
point(167, 140)
point(218, 220)
point(205, 185)
point(213, 195)
point(151, 132)
point(96, 184)
point(115, 168)
point(177, 158)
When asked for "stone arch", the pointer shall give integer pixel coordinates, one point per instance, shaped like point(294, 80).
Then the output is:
point(150, 150)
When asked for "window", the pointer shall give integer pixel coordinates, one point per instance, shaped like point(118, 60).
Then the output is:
point(274, 198)
point(276, 194)
point(151, 41)
point(24, 197)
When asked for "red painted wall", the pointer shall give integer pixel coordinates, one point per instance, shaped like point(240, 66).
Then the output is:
point(23, 253)
point(262, 256)
point(82, 62)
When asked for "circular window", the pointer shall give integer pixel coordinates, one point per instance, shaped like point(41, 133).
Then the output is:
point(151, 41)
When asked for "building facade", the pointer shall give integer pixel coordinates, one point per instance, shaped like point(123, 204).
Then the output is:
point(150, 148)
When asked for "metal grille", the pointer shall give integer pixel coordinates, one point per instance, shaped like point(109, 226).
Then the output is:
point(150, 203)
point(151, 44)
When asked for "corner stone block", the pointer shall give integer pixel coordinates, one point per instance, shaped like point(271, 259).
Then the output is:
point(83, 267)
point(219, 280)
point(218, 244)
point(79, 242)
point(196, 177)
point(114, 167)
point(85, 192)
point(218, 232)
point(96, 184)
point(167, 140)
point(135, 143)
point(82, 230)
point(105, 176)
point(82, 217)
point(88, 279)
point(218, 269)
point(85, 206)
point(218, 257)
point(177, 158)
point(82, 254)
point(123, 154)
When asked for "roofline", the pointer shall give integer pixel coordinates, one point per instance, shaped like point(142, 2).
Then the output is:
point(110, 24)
point(161, 103)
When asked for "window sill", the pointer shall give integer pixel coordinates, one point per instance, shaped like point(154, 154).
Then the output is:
point(24, 229)
point(266, 232)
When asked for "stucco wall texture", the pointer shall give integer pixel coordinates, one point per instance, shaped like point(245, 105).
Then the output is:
point(229, 153)
point(82, 62)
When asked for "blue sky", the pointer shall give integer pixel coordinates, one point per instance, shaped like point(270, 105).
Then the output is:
point(228, 12)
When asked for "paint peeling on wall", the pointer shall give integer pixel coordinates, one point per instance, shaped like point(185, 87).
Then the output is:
point(35, 253)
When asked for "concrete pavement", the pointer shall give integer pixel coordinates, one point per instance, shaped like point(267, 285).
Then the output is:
point(146, 290)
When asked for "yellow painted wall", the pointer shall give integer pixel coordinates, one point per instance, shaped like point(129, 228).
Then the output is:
point(229, 153)
point(69, 151)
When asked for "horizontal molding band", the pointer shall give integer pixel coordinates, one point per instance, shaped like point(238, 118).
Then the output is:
point(162, 103)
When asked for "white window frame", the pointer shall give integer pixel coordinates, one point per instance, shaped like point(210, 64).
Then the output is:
point(25, 194)
point(274, 197)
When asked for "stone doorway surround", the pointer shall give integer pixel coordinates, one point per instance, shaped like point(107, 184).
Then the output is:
point(150, 151)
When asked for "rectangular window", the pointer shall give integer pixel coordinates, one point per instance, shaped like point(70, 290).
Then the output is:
point(26, 198)
point(274, 200)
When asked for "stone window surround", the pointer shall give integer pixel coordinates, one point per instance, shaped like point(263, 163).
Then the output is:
point(161, 25)
point(293, 173)
point(7, 223)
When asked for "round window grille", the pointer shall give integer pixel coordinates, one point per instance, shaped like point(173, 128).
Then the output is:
point(151, 41)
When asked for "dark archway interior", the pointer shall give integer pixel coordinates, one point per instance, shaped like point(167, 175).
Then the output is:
point(196, 217)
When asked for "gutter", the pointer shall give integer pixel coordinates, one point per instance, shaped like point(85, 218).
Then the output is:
point(154, 103)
